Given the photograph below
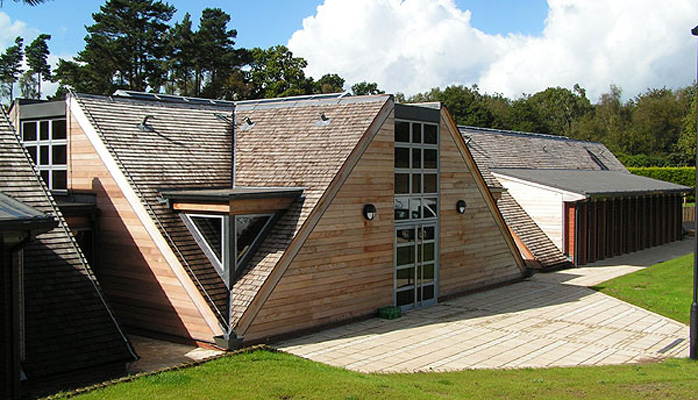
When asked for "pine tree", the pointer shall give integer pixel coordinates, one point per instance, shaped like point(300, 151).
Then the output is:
point(11, 67)
point(37, 60)
point(216, 56)
point(125, 45)
point(183, 51)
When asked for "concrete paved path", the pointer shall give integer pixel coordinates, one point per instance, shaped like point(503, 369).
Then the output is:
point(157, 354)
point(550, 320)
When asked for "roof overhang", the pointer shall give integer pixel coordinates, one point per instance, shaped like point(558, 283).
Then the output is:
point(19, 221)
point(578, 185)
point(232, 201)
point(566, 195)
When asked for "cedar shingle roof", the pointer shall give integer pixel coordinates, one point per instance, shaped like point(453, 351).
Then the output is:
point(68, 326)
point(186, 146)
point(537, 242)
point(509, 149)
point(494, 149)
point(190, 147)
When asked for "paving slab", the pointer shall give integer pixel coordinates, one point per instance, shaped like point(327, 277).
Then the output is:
point(158, 354)
point(551, 319)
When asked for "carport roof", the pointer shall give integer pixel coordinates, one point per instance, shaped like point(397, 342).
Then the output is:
point(594, 184)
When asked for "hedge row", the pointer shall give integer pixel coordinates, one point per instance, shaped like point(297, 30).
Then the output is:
point(680, 175)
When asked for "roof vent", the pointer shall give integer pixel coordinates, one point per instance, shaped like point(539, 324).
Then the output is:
point(144, 125)
point(247, 124)
point(324, 120)
point(597, 160)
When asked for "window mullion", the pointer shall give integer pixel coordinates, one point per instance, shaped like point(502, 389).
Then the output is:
point(229, 249)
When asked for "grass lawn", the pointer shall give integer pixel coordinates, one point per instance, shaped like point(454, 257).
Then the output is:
point(664, 288)
point(264, 374)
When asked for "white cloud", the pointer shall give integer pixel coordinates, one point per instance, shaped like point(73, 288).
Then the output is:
point(411, 46)
point(9, 30)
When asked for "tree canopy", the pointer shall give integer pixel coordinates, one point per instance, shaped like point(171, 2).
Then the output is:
point(132, 45)
point(11, 67)
point(37, 59)
point(125, 46)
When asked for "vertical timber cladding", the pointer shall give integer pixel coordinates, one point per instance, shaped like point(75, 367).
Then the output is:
point(345, 267)
point(570, 237)
point(613, 226)
point(581, 233)
point(473, 251)
point(139, 284)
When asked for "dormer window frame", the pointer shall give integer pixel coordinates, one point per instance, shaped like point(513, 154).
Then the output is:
point(232, 262)
point(230, 205)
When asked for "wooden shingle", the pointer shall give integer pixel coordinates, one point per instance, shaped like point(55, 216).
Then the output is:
point(509, 149)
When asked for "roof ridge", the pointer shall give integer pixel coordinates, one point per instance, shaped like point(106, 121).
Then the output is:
point(168, 100)
point(521, 133)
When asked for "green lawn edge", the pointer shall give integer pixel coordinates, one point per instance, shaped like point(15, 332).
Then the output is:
point(664, 288)
point(265, 374)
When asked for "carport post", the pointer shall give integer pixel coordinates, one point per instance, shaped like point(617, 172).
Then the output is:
point(693, 353)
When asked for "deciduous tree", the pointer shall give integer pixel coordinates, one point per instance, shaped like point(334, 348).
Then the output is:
point(363, 88)
point(275, 72)
point(329, 83)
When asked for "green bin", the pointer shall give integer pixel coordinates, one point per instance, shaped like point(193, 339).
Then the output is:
point(389, 312)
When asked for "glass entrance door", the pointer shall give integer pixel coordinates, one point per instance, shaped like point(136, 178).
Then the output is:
point(415, 265)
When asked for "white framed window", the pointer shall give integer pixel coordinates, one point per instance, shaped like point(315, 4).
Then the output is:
point(416, 170)
point(47, 144)
point(228, 241)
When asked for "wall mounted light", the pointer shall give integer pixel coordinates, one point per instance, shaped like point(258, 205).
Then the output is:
point(370, 212)
point(460, 206)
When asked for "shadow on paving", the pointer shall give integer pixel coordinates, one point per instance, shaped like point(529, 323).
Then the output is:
point(543, 290)
point(504, 302)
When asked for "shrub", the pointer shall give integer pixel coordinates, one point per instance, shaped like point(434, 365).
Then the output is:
point(680, 175)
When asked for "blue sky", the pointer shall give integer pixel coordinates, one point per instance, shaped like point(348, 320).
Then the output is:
point(260, 23)
point(512, 47)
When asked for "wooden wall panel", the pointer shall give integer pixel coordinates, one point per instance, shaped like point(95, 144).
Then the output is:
point(544, 207)
point(345, 268)
point(593, 230)
point(473, 250)
point(139, 284)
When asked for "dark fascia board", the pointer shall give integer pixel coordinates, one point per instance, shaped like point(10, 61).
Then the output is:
point(610, 195)
point(417, 113)
point(41, 110)
point(34, 226)
point(228, 194)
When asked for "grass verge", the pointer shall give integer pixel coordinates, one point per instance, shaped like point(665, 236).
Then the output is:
point(664, 288)
point(264, 374)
